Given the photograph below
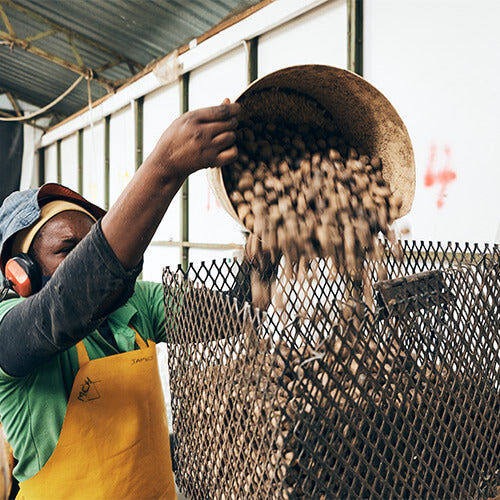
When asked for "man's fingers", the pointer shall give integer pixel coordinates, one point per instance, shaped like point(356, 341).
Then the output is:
point(223, 112)
point(226, 157)
point(224, 140)
point(216, 128)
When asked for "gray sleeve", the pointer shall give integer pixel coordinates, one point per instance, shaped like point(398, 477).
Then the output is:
point(68, 307)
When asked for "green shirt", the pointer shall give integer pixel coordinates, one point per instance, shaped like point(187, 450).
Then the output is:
point(33, 407)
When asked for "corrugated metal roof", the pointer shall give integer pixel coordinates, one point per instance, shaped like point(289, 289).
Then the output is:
point(121, 34)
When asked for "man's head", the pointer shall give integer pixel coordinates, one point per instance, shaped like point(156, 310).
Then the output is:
point(62, 224)
point(57, 237)
point(46, 223)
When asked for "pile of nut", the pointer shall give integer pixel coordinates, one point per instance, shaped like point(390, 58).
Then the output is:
point(305, 193)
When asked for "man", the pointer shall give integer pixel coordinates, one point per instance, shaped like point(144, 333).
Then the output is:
point(80, 395)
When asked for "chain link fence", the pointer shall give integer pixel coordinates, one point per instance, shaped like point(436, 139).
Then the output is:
point(343, 387)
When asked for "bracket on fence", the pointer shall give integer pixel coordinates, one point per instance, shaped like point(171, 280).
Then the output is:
point(423, 289)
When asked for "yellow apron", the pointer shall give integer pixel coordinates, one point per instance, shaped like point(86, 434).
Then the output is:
point(114, 442)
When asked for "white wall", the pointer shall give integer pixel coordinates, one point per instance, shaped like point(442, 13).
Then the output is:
point(318, 37)
point(161, 108)
point(69, 162)
point(51, 163)
point(437, 62)
point(207, 255)
point(93, 163)
point(208, 86)
point(29, 172)
point(158, 257)
point(121, 151)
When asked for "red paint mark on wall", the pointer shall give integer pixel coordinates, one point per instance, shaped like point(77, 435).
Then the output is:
point(441, 177)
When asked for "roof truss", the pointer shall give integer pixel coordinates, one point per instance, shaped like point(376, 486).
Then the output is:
point(9, 37)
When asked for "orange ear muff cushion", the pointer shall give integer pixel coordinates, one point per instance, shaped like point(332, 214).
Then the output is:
point(23, 274)
point(19, 278)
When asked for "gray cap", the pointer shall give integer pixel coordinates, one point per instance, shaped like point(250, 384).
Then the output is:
point(21, 209)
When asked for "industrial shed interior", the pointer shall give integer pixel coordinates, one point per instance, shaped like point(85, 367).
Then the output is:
point(96, 83)
point(142, 67)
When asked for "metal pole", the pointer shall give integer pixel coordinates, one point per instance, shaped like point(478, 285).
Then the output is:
point(355, 36)
point(41, 166)
point(58, 160)
point(107, 121)
point(80, 161)
point(354, 284)
point(252, 46)
point(139, 131)
point(184, 89)
point(139, 136)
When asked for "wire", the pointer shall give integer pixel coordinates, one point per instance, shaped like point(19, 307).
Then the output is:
point(6, 286)
point(42, 110)
point(91, 117)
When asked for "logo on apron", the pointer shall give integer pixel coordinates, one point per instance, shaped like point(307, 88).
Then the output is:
point(88, 390)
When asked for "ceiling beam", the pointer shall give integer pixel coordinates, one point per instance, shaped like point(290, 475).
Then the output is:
point(11, 40)
point(40, 35)
point(6, 21)
point(78, 58)
point(72, 33)
point(13, 101)
point(108, 65)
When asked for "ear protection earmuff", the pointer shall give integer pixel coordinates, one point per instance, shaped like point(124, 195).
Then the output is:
point(23, 274)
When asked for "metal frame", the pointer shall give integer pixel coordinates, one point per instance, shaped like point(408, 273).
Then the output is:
point(184, 90)
point(328, 396)
point(41, 166)
point(31, 123)
point(107, 121)
point(59, 164)
point(80, 161)
point(14, 103)
point(355, 36)
point(266, 18)
point(10, 37)
point(187, 244)
point(139, 131)
point(253, 59)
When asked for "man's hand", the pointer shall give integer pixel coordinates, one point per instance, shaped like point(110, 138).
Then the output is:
point(198, 139)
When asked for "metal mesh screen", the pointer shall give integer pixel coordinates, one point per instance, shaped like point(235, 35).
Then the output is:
point(323, 397)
